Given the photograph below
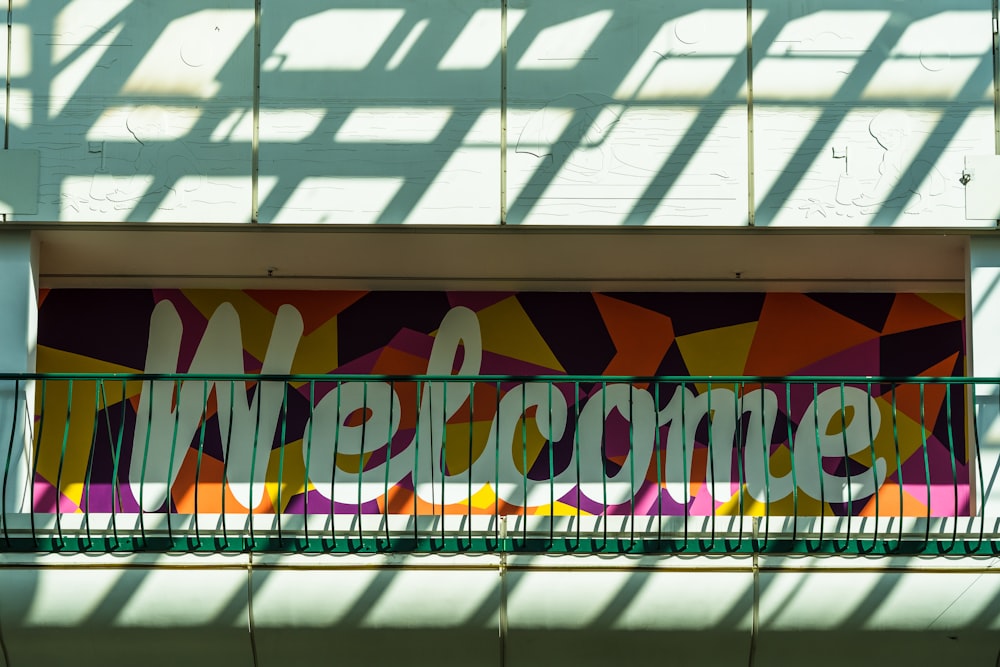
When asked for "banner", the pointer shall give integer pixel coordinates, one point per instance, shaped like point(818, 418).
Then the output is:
point(584, 445)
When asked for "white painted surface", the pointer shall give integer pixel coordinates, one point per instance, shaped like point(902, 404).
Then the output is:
point(122, 100)
point(617, 114)
point(927, 609)
point(984, 361)
point(403, 107)
point(50, 615)
point(549, 595)
point(592, 610)
point(982, 197)
point(877, 601)
point(863, 117)
point(363, 610)
point(18, 181)
point(446, 609)
point(627, 114)
point(18, 341)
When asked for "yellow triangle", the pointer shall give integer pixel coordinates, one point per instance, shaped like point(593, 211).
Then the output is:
point(317, 352)
point(558, 509)
point(751, 507)
point(484, 498)
point(256, 321)
point(51, 360)
point(508, 331)
point(206, 301)
point(720, 351)
point(953, 304)
point(907, 437)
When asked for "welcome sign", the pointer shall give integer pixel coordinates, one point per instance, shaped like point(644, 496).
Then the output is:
point(583, 445)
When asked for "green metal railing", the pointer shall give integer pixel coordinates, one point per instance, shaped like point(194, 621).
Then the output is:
point(344, 463)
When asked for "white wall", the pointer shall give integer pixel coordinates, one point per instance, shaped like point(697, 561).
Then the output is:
point(551, 112)
point(984, 360)
point(469, 610)
point(18, 327)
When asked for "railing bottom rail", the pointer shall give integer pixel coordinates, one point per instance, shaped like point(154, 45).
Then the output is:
point(624, 535)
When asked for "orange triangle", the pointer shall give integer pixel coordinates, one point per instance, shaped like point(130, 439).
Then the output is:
point(908, 395)
point(43, 292)
point(794, 332)
point(641, 336)
point(699, 466)
point(909, 312)
point(211, 487)
point(316, 307)
point(889, 505)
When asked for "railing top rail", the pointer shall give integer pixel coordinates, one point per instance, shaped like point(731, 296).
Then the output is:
point(374, 377)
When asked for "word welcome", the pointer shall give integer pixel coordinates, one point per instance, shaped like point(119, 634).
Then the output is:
point(839, 422)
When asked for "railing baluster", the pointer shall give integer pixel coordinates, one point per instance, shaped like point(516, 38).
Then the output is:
point(524, 464)
point(766, 446)
point(8, 459)
point(658, 448)
point(684, 461)
point(603, 459)
point(710, 483)
point(34, 464)
point(359, 517)
point(874, 463)
point(98, 390)
point(738, 446)
point(339, 388)
point(226, 457)
point(927, 465)
point(982, 478)
point(496, 471)
point(197, 466)
point(116, 500)
point(819, 460)
point(443, 462)
point(416, 456)
point(145, 457)
point(259, 390)
point(62, 460)
point(388, 462)
point(306, 464)
point(279, 508)
point(472, 421)
point(631, 466)
point(576, 457)
point(170, 463)
point(899, 464)
point(552, 473)
point(954, 468)
point(847, 459)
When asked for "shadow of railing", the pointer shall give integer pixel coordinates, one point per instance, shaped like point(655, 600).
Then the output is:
point(554, 112)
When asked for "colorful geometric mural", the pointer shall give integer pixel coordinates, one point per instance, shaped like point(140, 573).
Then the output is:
point(507, 445)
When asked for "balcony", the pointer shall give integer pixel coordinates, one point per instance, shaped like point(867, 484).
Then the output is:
point(495, 464)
